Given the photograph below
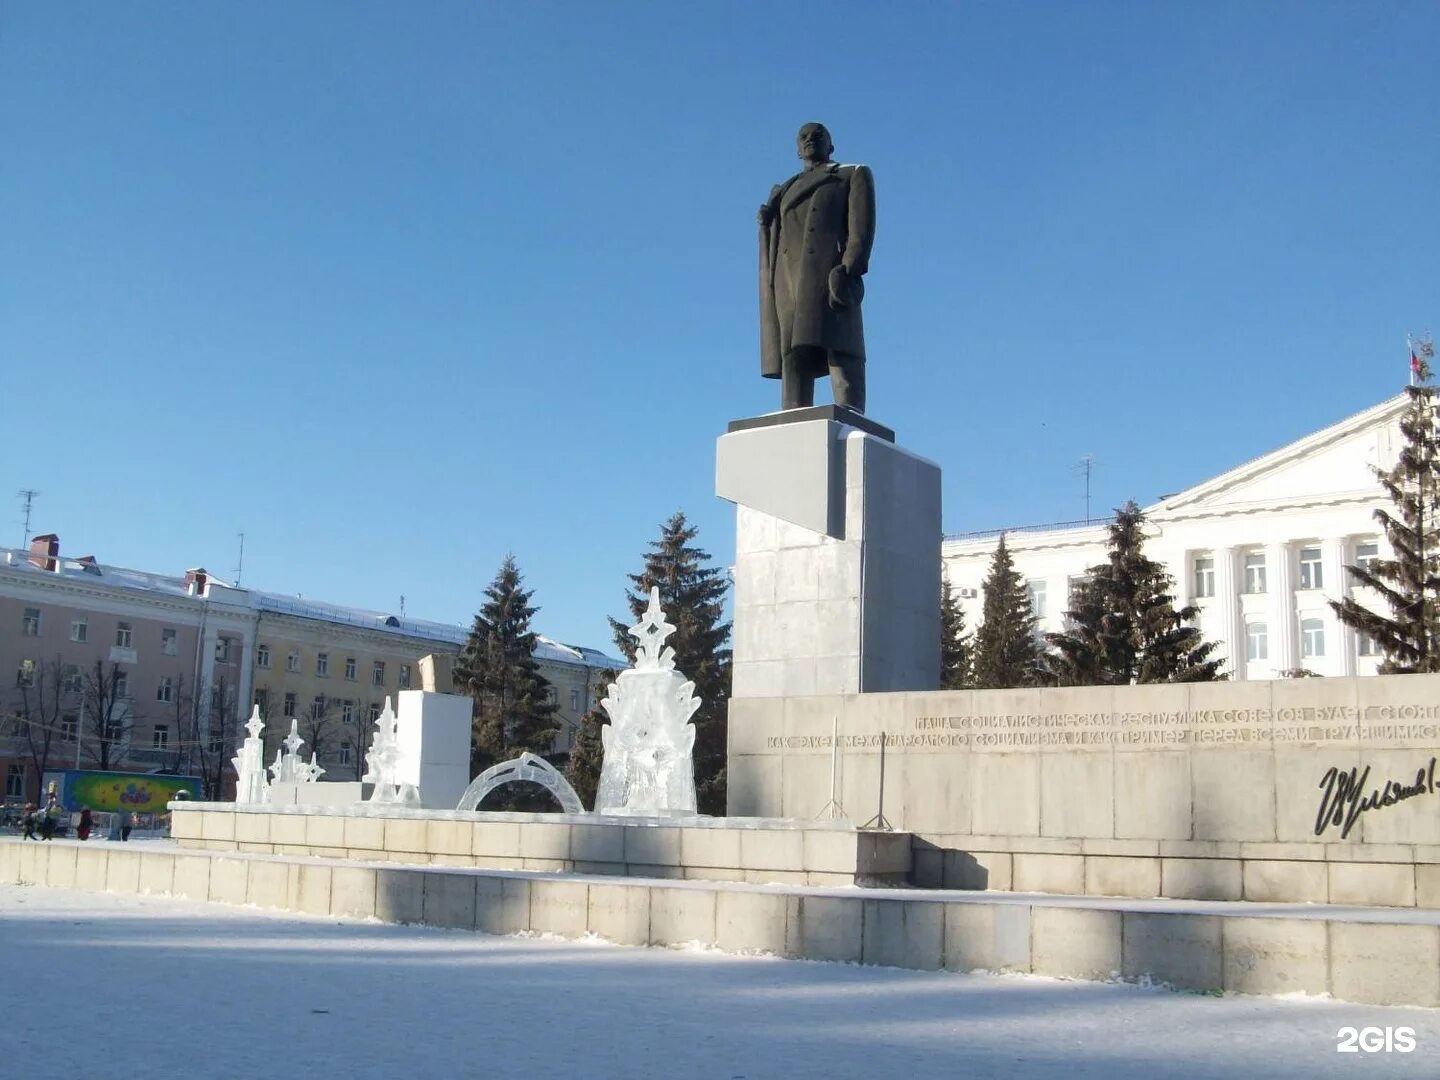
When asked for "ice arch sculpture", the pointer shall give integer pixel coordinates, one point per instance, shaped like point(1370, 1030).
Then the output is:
point(649, 765)
point(526, 767)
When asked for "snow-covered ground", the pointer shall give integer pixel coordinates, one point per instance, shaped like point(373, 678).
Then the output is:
point(108, 985)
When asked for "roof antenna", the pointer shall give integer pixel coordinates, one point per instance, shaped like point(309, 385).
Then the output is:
point(28, 494)
point(1087, 466)
point(402, 603)
point(240, 563)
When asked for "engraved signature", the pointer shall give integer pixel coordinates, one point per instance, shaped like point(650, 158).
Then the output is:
point(1344, 799)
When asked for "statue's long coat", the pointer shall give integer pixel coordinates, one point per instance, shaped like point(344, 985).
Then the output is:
point(823, 218)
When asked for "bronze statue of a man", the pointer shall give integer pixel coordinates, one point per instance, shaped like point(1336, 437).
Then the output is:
point(816, 230)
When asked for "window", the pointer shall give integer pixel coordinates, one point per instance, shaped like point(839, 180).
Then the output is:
point(1204, 575)
point(1073, 585)
point(317, 707)
point(552, 695)
point(1311, 576)
point(169, 641)
point(261, 701)
point(347, 712)
point(262, 656)
point(1036, 589)
point(574, 701)
point(122, 635)
point(30, 623)
point(71, 680)
point(69, 725)
point(292, 661)
point(350, 668)
point(404, 677)
point(1255, 572)
point(217, 744)
point(112, 731)
point(377, 673)
point(122, 685)
point(165, 689)
point(79, 631)
point(15, 782)
point(1365, 645)
point(217, 696)
point(347, 754)
point(222, 650)
point(26, 675)
point(1257, 641)
point(289, 706)
point(160, 737)
point(374, 712)
point(1366, 555)
point(322, 665)
point(1312, 638)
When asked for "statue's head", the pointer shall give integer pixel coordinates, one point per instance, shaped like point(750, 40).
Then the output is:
point(813, 143)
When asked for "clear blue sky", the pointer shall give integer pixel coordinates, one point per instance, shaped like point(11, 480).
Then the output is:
point(397, 288)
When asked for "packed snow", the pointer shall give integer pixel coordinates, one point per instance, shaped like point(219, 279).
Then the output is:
point(107, 985)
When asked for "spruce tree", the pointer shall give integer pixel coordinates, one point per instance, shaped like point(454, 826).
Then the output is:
point(587, 752)
point(1409, 583)
point(1124, 626)
point(513, 712)
point(692, 596)
point(1006, 653)
point(956, 661)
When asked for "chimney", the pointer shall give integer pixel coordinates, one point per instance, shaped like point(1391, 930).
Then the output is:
point(45, 551)
point(195, 581)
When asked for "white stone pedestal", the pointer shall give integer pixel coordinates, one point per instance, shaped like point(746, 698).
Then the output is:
point(433, 734)
point(837, 561)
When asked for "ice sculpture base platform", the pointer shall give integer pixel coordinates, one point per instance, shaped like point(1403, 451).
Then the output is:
point(755, 850)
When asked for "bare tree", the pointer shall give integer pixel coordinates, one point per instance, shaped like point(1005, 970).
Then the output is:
point(109, 716)
point(214, 734)
point(41, 693)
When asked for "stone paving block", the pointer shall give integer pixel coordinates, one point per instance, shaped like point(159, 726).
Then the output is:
point(1121, 875)
point(90, 868)
point(218, 825)
point(1075, 942)
point(620, 913)
point(680, 916)
point(502, 904)
point(559, 907)
point(1201, 879)
point(229, 880)
point(1366, 884)
point(989, 937)
point(710, 847)
point(545, 841)
point(269, 884)
point(1275, 956)
point(252, 828)
point(313, 896)
point(399, 895)
point(1270, 882)
point(747, 922)
point(352, 891)
point(499, 838)
point(450, 899)
point(1182, 950)
point(324, 831)
point(186, 824)
point(405, 834)
point(903, 933)
point(1063, 874)
point(824, 928)
point(597, 844)
point(364, 834)
point(287, 829)
point(979, 870)
point(60, 871)
point(449, 837)
point(1385, 965)
point(122, 872)
point(656, 845)
point(191, 877)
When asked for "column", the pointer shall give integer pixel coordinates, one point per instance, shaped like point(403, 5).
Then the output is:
point(1280, 583)
point(1227, 612)
point(1339, 657)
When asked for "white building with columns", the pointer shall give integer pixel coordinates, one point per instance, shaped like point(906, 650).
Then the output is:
point(1260, 550)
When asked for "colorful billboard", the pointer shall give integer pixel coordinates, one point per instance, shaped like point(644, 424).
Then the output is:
point(139, 793)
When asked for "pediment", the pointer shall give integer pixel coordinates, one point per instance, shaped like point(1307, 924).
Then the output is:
point(1332, 464)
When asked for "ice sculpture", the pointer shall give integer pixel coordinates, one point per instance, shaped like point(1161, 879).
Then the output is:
point(289, 765)
point(649, 766)
point(382, 763)
point(249, 763)
point(526, 767)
